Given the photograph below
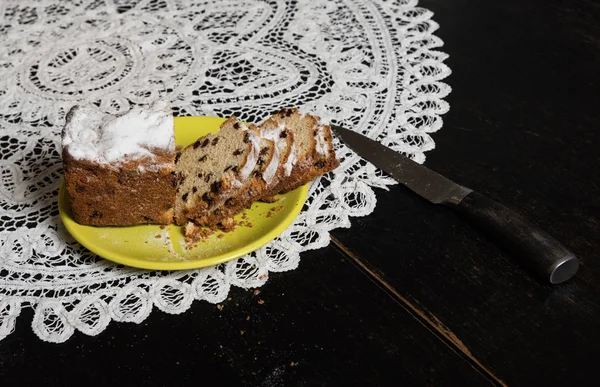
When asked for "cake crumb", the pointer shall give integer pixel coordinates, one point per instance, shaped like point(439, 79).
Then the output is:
point(274, 210)
point(292, 364)
point(229, 299)
point(220, 307)
point(228, 225)
point(247, 318)
point(260, 302)
point(195, 234)
point(157, 236)
point(221, 236)
point(256, 292)
point(242, 332)
point(245, 224)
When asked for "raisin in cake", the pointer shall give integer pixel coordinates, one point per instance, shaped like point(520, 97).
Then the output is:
point(119, 169)
point(313, 153)
point(221, 174)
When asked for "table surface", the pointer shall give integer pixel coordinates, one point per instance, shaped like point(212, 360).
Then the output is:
point(413, 294)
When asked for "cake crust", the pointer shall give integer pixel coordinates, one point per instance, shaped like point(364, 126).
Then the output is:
point(104, 195)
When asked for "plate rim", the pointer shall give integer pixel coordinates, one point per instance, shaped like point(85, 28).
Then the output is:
point(71, 226)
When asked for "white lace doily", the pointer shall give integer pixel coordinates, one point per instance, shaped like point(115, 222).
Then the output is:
point(369, 65)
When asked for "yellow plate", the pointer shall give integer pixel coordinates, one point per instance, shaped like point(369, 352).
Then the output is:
point(150, 247)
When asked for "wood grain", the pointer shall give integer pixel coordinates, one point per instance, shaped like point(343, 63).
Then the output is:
point(428, 319)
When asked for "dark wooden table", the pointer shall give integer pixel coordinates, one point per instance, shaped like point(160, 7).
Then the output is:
point(412, 295)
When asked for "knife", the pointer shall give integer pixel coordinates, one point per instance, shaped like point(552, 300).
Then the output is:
point(535, 248)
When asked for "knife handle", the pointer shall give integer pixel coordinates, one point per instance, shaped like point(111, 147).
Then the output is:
point(538, 250)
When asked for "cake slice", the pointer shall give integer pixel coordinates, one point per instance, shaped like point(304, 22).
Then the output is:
point(221, 213)
point(313, 153)
point(119, 169)
point(221, 174)
point(280, 166)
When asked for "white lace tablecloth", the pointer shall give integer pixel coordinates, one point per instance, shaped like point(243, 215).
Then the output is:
point(368, 65)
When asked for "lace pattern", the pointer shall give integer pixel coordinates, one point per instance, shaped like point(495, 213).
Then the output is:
point(368, 65)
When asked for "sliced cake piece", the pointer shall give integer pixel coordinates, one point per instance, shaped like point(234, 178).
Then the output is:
point(251, 189)
point(212, 168)
point(281, 165)
point(219, 175)
point(313, 149)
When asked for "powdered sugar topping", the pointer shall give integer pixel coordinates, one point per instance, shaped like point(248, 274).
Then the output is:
point(252, 155)
point(291, 160)
point(273, 135)
point(322, 147)
point(91, 134)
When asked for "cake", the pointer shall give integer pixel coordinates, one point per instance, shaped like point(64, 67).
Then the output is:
point(283, 158)
point(313, 154)
point(124, 170)
point(302, 149)
point(221, 174)
point(119, 170)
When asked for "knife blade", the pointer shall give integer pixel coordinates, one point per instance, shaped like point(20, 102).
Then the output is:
point(535, 248)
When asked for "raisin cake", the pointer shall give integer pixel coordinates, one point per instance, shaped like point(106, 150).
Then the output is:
point(221, 174)
point(302, 150)
point(313, 153)
point(123, 170)
point(119, 169)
